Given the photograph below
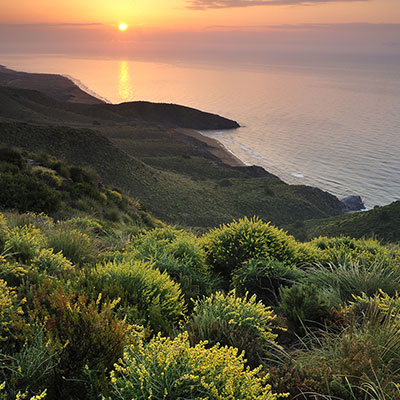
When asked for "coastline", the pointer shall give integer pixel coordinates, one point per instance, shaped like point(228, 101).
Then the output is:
point(215, 147)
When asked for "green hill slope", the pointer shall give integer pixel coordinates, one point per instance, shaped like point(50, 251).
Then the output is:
point(31, 105)
point(382, 223)
point(173, 197)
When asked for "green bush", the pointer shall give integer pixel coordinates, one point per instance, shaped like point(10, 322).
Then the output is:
point(234, 321)
point(3, 232)
point(180, 254)
point(338, 250)
point(86, 224)
point(24, 242)
point(150, 295)
point(23, 192)
point(32, 369)
point(11, 156)
point(171, 369)
point(74, 245)
point(229, 246)
point(364, 355)
point(38, 220)
point(87, 332)
point(351, 278)
point(304, 306)
point(263, 278)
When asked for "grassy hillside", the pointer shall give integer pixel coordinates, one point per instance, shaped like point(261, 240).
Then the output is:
point(176, 197)
point(31, 105)
point(40, 183)
point(56, 86)
point(382, 223)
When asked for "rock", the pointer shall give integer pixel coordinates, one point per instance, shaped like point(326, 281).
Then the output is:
point(352, 203)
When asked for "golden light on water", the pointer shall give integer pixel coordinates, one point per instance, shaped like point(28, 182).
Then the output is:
point(124, 84)
point(122, 26)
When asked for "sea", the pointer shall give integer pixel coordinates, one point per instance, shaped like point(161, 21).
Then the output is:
point(331, 123)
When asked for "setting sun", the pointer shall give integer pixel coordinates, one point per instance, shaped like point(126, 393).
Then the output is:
point(122, 26)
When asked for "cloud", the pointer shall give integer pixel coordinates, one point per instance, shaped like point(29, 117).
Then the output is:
point(205, 4)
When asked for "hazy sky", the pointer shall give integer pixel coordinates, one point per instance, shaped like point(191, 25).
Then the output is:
point(169, 25)
point(198, 14)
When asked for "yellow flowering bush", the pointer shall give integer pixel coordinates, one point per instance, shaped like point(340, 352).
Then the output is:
point(21, 396)
point(151, 295)
point(23, 242)
point(10, 310)
point(171, 369)
point(47, 260)
point(231, 320)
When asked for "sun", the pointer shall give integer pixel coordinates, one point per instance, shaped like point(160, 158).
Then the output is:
point(122, 26)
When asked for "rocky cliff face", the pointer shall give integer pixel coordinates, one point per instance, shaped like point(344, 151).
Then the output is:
point(353, 203)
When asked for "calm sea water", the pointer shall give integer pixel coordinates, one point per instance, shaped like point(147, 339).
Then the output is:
point(333, 125)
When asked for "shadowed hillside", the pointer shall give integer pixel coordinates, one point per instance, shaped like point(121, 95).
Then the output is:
point(31, 105)
point(177, 198)
point(382, 223)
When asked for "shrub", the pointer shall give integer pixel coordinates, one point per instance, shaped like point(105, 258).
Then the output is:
point(177, 252)
point(149, 294)
point(349, 278)
point(86, 224)
point(10, 311)
point(40, 221)
point(367, 350)
point(88, 332)
point(49, 177)
point(50, 262)
point(24, 242)
point(234, 321)
point(26, 193)
point(338, 250)
point(33, 367)
point(74, 245)
point(263, 278)
point(304, 306)
point(229, 246)
point(171, 369)
point(3, 232)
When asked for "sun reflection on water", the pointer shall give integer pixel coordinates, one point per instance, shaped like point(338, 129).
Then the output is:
point(124, 84)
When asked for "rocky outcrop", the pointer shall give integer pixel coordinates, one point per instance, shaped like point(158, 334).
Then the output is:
point(352, 203)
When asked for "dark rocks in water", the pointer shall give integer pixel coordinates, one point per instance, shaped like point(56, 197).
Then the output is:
point(255, 171)
point(352, 203)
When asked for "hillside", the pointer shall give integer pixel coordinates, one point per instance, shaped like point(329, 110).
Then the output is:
point(56, 86)
point(149, 151)
point(225, 193)
point(34, 106)
point(382, 223)
point(40, 183)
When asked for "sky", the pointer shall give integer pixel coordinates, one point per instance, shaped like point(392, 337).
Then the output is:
point(198, 26)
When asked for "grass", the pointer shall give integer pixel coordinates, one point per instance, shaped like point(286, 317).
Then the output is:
point(382, 223)
point(175, 197)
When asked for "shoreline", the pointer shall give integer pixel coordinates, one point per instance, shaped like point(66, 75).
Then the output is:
point(215, 147)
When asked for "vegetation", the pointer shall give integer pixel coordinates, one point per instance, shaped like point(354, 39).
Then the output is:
point(147, 162)
point(382, 223)
point(101, 300)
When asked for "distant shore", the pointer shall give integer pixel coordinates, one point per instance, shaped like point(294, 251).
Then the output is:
point(215, 147)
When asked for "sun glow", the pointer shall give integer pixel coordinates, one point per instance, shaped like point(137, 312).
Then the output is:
point(122, 26)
